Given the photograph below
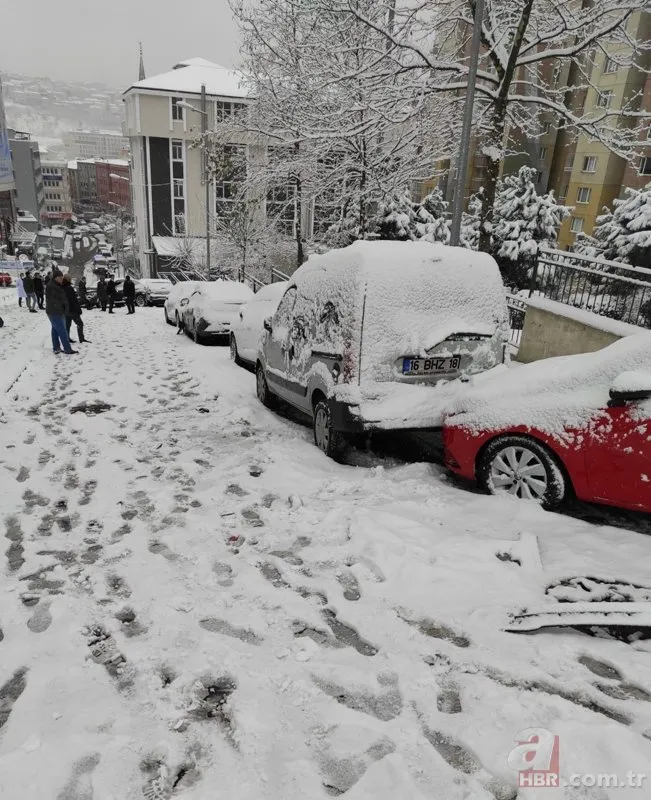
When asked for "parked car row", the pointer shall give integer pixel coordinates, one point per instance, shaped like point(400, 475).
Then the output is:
point(410, 336)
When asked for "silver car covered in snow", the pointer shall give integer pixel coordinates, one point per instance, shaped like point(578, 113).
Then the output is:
point(378, 335)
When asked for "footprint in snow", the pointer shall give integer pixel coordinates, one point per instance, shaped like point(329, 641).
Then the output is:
point(10, 692)
point(23, 475)
point(79, 785)
point(224, 573)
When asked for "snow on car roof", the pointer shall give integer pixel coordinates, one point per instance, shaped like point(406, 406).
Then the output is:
point(226, 291)
point(273, 291)
point(417, 293)
point(552, 395)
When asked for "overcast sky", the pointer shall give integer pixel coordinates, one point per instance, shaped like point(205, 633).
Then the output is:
point(90, 40)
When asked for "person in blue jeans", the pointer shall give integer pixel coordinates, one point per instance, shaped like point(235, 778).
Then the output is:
point(56, 308)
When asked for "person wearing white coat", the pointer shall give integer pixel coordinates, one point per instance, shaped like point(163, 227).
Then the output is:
point(20, 289)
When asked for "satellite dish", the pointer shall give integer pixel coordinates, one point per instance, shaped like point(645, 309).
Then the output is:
point(22, 257)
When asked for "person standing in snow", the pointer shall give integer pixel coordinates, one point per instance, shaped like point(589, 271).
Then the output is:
point(82, 292)
point(129, 294)
point(39, 289)
point(20, 289)
point(30, 294)
point(56, 308)
point(111, 293)
point(102, 293)
point(74, 310)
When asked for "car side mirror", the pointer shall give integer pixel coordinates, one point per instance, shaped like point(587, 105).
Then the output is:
point(629, 387)
point(267, 324)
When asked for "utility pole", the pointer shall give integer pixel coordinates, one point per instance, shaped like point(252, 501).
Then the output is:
point(204, 129)
point(466, 128)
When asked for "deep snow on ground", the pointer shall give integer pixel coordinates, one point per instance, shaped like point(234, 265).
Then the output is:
point(197, 604)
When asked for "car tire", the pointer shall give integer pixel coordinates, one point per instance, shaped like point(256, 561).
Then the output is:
point(326, 438)
point(235, 356)
point(141, 301)
point(167, 319)
point(196, 338)
point(265, 396)
point(505, 458)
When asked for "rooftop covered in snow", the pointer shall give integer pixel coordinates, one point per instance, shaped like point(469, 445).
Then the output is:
point(187, 77)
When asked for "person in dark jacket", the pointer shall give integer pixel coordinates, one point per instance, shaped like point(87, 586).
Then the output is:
point(74, 310)
point(111, 293)
point(82, 292)
point(102, 293)
point(28, 286)
point(56, 308)
point(129, 294)
point(39, 289)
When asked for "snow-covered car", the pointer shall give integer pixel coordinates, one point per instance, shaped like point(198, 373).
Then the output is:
point(579, 423)
point(172, 305)
point(379, 336)
point(249, 323)
point(211, 309)
point(152, 291)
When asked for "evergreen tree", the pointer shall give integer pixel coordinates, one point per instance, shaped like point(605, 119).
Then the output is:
point(433, 218)
point(523, 222)
point(471, 221)
point(625, 233)
point(398, 219)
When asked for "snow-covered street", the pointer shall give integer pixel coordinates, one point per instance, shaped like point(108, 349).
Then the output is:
point(197, 604)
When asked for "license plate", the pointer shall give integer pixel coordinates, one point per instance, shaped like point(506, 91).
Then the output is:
point(430, 366)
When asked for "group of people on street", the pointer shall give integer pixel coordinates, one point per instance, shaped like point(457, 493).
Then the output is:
point(64, 304)
point(31, 289)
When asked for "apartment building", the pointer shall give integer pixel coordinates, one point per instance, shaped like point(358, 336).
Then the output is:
point(95, 144)
point(113, 182)
point(58, 196)
point(169, 194)
point(28, 175)
point(7, 185)
point(592, 176)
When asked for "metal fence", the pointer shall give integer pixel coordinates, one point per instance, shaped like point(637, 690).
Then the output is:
point(517, 310)
point(257, 283)
point(607, 288)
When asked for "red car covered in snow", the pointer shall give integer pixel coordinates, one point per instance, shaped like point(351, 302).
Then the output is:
point(5, 279)
point(578, 424)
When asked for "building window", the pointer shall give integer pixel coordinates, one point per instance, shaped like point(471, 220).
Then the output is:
point(178, 189)
point(583, 195)
point(576, 226)
point(543, 153)
point(645, 166)
point(546, 128)
point(569, 164)
point(539, 177)
point(226, 111)
point(232, 173)
point(605, 99)
point(589, 164)
point(177, 110)
point(281, 207)
point(610, 66)
point(177, 150)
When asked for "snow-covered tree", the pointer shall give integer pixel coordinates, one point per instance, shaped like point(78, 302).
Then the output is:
point(624, 234)
point(428, 44)
point(434, 218)
point(524, 221)
point(327, 97)
point(471, 221)
point(397, 218)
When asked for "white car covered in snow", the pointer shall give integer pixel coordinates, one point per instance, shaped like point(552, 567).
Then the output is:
point(172, 305)
point(212, 308)
point(377, 336)
point(249, 323)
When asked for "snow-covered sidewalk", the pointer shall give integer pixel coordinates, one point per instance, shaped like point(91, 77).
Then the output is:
point(197, 604)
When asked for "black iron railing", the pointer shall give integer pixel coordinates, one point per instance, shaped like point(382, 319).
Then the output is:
point(607, 288)
point(517, 310)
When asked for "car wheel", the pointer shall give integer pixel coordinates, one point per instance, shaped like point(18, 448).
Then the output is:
point(140, 301)
point(235, 358)
point(522, 467)
point(178, 321)
point(167, 319)
point(195, 333)
point(326, 438)
point(262, 388)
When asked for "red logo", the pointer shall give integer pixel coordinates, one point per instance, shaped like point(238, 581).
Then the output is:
point(536, 759)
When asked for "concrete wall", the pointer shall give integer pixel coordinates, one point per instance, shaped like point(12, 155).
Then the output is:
point(553, 329)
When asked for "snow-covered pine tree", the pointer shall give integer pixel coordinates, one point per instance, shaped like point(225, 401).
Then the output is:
point(523, 221)
point(471, 221)
point(625, 233)
point(433, 218)
point(398, 219)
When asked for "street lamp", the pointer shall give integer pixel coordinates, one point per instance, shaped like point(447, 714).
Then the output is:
point(466, 128)
point(204, 127)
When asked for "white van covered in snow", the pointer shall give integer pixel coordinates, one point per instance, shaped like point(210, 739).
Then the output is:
point(377, 336)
